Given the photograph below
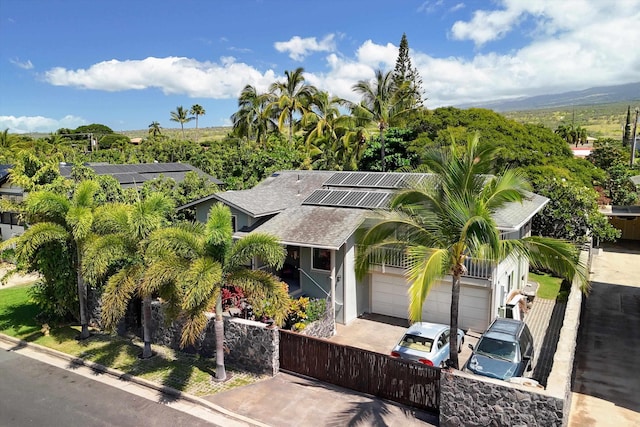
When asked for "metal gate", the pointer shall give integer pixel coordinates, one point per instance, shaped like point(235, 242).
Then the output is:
point(365, 371)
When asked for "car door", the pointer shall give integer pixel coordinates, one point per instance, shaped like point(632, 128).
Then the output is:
point(443, 348)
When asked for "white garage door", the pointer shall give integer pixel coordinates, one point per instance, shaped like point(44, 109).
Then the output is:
point(389, 297)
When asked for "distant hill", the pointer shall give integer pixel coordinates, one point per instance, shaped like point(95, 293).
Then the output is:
point(596, 95)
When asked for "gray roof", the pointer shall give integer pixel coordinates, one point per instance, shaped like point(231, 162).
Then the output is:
point(275, 194)
point(315, 226)
point(514, 215)
point(136, 174)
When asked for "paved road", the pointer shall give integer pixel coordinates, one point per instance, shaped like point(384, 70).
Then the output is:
point(606, 387)
point(33, 393)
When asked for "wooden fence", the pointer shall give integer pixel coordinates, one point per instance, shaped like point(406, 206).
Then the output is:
point(365, 371)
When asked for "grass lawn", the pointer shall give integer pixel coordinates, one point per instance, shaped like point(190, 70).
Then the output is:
point(548, 286)
point(185, 372)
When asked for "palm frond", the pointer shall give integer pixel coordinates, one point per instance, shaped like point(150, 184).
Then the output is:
point(162, 272)
point(111, 218)
point(38, 235)
point(192, 329)
point(117, 294)
point(262, 287)
point(183, 242)
point(265, 246)
point(106, 251)
point(80, 219)
point(47, 206)
point(426, 266)
point(84, 194)
point(200, 280)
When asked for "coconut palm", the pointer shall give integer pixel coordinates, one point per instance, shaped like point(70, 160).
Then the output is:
point(253, 117)
point(381, 103)
point(181, 116)
point(191, 263)
point(197, 111)
point(55, 219)
point(155, 129)
point(292, 97)
point(442, 223)
point(118, 251)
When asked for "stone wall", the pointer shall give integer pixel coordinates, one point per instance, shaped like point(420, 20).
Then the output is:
point(249, 345)
point(322, 328)
point(468, 401)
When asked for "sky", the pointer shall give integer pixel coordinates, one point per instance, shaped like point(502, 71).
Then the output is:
point(127, 63)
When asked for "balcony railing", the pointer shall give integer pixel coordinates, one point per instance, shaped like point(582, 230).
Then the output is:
point(476, 268)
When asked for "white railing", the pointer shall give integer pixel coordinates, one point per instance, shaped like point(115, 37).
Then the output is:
point(476, 268)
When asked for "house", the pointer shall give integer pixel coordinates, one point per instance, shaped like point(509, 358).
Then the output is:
point(10, 224)
point(624, 218)
point(315, 214)
point(129, 176)
point(135, 175)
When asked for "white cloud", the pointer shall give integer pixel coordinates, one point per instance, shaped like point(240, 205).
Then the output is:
point(172, 75)
point(299, 48)
point(457, 7)
point(39, 124)
point(26, 65)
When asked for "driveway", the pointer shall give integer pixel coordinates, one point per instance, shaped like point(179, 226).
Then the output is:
point(606, 385)
point(375, 332)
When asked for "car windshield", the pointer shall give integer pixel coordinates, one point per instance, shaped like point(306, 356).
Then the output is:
point(501, 349)
point(416, 342)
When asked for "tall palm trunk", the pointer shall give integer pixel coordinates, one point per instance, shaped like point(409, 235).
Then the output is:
point(146, 327)
point(453, 331)
point(290, 127)
point(82, 296)
point(381, 126)
point(221, 373)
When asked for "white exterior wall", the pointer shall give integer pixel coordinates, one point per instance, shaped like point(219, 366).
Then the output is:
point(350, 284)
point(508, 277)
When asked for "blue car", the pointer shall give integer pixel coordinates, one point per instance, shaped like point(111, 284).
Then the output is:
point(426, 343)
point(504, 351)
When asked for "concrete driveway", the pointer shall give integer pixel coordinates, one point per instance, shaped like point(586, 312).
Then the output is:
point(380, 334)
point(606, 385)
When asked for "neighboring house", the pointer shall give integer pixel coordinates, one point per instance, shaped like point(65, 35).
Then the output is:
point(136, 175)
point(129, 176)
point(625, 219)
point(315, 214)
point(9, 221)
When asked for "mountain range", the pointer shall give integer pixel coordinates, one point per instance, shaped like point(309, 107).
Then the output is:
point(597, 95)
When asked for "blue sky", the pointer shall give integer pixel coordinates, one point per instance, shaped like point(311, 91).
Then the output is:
point(65, 63)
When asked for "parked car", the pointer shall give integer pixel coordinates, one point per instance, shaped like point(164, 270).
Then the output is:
point(504, 351)
point(427, 343)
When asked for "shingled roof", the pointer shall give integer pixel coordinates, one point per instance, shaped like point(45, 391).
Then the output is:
point(135, 175)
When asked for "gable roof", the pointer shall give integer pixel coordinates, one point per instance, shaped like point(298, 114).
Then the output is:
point(276, 193)
point(314, 226)
point(135, 175)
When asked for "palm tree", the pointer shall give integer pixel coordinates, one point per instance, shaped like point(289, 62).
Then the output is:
point(118, 250)
point(56, 219)
point(181, 116)
point(197, 111)
point(191, 263)
point(155, 129)
point(292, 96)
point(254, 114)
point(449, 219)
point(381, 103)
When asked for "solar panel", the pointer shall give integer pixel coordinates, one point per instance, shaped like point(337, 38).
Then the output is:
point(371, 179)
point(353, 179)
point(334, 198)
point(372, 199)
point(337, 178)
point(391, 180)
point(353, 198)
point(316, 197)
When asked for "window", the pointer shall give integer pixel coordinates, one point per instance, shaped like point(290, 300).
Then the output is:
point(234, 223)
point(321, 259)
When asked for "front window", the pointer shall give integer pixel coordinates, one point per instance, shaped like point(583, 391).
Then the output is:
point(321, 259)
point(506, 350)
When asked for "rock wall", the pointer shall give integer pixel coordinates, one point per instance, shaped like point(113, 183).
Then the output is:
point(249, 345)
point(322, 328)
point(469, 402)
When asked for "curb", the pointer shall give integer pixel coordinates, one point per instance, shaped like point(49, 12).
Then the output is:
point(132, 379)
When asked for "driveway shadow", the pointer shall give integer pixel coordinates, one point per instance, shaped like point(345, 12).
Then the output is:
point(605, 364)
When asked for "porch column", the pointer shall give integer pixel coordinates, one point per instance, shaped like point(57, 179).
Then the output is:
point(333, 287)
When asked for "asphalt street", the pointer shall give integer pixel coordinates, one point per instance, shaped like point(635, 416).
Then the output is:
point(33, 393)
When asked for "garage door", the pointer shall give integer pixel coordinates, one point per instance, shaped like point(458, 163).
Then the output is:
point(389, 297)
